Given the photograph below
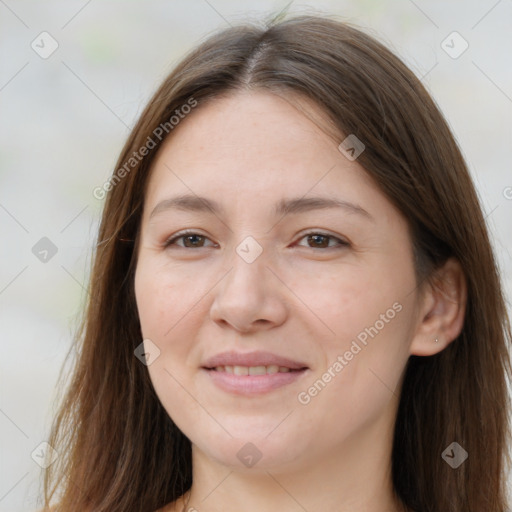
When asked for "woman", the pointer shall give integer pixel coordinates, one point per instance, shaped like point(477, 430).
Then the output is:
point(294, 301)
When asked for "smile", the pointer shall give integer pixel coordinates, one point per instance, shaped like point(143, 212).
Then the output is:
point(253, 370)
point(252, 380)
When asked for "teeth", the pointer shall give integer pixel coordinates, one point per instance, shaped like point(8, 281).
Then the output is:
point(240, 370)
point(257, 370)
point(253, 370)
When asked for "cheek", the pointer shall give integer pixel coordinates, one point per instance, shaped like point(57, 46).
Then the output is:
point(362, 373)
point(165, 304)
point(368, 312)
point(163, 297)
point(341, 304)
point(171, 311)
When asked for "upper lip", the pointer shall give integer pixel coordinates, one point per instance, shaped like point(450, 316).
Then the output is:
point(258, 358)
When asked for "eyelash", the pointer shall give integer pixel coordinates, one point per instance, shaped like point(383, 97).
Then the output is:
point(171, 241)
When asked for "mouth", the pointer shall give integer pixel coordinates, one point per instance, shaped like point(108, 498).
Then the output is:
point(254, 370)
point(252, 373)
point(247, 381)
point(255, 362)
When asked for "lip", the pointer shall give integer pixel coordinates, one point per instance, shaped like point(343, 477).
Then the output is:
point(252, 384)
point(257, 358)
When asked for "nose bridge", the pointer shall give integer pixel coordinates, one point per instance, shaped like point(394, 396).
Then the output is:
point(245, 295)
point(248, 263)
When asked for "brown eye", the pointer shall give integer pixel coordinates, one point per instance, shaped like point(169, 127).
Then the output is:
point(319, 240)
point(322, 241)
point(190, 240)
point(193, 240)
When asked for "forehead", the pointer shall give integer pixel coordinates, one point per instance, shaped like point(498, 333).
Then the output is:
point(245, 123)
point(257, 145)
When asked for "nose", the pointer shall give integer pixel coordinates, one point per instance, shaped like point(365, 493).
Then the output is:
point(250, 297)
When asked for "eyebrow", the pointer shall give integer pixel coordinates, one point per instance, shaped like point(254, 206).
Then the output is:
point(194, 203)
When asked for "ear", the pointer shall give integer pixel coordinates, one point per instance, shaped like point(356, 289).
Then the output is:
point(441, 311)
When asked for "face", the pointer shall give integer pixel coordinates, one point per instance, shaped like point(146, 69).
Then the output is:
point(277, 319)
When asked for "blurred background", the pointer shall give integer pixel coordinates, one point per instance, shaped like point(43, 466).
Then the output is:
point(75, 75)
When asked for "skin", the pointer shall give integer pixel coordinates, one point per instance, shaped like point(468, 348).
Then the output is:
point(297, 299)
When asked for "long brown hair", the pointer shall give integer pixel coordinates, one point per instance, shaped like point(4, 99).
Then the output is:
point(119, 449)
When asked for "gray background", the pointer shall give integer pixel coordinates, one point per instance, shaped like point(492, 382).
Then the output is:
point(64, 118)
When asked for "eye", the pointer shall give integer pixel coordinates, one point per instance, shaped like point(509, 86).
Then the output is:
point(191, 239)
point(321, 240)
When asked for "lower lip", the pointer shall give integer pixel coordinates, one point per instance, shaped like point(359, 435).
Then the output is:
point(253, 384)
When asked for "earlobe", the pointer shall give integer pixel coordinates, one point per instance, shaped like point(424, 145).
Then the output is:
point(442, 310)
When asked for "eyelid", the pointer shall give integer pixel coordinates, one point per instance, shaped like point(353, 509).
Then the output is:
point(170, 240)
point(341, 241)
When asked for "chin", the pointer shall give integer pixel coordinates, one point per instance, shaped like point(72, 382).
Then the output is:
point(256, 453)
